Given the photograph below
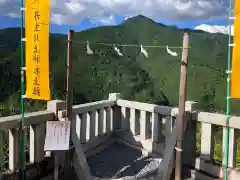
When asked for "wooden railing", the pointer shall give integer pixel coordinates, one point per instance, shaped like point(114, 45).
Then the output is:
point(144, 126)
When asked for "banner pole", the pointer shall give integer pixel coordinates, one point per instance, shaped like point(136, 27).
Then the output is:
point(22, 97)
point(228, 98)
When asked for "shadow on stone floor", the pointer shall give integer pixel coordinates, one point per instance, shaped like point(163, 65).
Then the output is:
point(118, 161)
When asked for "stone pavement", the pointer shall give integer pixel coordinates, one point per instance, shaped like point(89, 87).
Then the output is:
point(122, 163)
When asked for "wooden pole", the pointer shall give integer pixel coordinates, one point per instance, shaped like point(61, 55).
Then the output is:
point(81, 167)
point(56, 165)
point(69, 98)
point(182, 98)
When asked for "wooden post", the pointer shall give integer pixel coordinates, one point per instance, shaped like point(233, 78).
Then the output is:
point(56, 165)
point(182, 98)
point(69, 98)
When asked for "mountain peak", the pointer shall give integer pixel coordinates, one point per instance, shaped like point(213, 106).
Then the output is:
point(140, 17)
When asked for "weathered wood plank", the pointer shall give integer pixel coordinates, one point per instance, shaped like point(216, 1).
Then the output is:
point(79, 160)
point(167, 164)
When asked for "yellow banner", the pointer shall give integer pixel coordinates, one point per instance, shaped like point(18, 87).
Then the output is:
point(235, 75)
point(236, 7)
point(37, 49)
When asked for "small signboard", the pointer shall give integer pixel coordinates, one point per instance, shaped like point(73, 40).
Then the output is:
point(57, 136)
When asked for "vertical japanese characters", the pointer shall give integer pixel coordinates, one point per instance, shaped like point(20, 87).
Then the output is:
point(36, 57)
point(37, 49)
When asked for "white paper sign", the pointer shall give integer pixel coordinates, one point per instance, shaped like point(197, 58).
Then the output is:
point(57, 136)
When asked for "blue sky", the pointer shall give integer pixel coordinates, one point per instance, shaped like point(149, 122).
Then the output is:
point(85, 24)
point(71, 14)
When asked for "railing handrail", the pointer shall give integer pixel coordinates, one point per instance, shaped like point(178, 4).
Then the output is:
point(217, 119)
point(164, 110)
point(10, 122)
point(38, 117)
point(88, 107)
point(201, 116)
point(93, 105)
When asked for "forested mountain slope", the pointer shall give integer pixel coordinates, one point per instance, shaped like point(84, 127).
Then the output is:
point(154, 79)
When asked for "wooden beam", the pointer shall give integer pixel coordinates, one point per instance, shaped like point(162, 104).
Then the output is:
point(166, 167)
point(79, 160)
point(182, 99)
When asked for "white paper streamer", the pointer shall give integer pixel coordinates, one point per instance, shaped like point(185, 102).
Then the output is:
point(89, 50)
point(171, 52)
point(144, 51)
point(118, 51)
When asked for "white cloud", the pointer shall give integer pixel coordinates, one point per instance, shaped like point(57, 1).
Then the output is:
point(10, 8)
point(74, 11)
point(110, 20)
point(75, 7)
point(215, 29)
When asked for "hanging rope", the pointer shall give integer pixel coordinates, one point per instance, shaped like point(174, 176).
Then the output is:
point(142, 49)
point(126, 45)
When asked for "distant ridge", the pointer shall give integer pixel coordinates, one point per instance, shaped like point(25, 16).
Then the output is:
point(154, 79)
